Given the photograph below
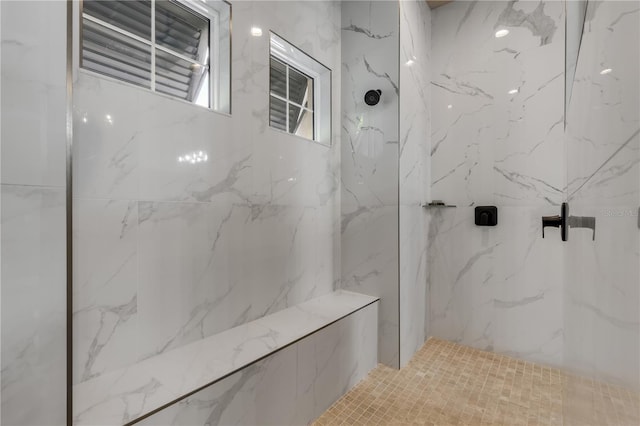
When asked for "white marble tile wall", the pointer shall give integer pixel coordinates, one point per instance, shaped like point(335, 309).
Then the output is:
point(602, 299)
point(33, 305)
point(497, 139)
point(32, 213)
point(293, 386)
point(168, 253)
point(498, 289)
point(414, 171)
point(33, 93)
point(369, 161)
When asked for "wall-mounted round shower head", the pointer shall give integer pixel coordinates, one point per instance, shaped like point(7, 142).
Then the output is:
point(372, 97)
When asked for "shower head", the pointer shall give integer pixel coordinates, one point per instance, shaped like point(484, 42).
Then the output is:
point(372, 97)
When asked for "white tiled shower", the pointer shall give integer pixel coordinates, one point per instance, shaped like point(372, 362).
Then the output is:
point(167, 254)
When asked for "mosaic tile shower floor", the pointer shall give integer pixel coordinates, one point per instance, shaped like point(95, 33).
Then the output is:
point(449, 384)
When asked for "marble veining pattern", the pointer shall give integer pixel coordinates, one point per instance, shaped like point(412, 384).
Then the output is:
point(485, 285)
point(414, 171)
point(497, 122)
point(191, 250)
point(293, 386)
point(602, 308)
point(369, 161)
point(123, 395)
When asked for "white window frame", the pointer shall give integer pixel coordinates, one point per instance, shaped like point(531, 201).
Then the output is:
point(304, 63)
point(287, 99)
point(212, 63)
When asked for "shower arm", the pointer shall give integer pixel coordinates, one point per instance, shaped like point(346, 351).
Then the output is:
point(558, 222)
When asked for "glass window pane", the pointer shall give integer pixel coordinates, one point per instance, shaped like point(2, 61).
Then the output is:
point(300, 122)
point(300, 88)
point(182, 46)
point(180, 78)
point(203, 97)
point(277, 113)
point(110, 53)
point(278, 78)
point(182, 30)
point(131, 16)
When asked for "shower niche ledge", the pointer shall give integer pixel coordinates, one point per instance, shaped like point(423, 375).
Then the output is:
point(126, 395)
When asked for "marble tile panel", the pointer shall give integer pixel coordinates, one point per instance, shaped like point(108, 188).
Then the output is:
point(603, 116)
point(499, 81)
point(33, 305)
point(491, 292)
point(33, 93)
point(414, 171)
point(370, 266)
point(602, 305)
point(187, 288)
point(369, 161)
point(105, 295)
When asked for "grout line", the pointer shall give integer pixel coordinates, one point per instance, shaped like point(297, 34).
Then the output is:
point(617, 151)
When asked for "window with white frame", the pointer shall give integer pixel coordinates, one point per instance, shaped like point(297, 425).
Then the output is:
point(291, 103)
point(175, 47)
point(299, 92)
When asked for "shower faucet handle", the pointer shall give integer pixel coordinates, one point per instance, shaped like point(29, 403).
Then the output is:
point(558, 221)
point(564, 221)
point(583, 222)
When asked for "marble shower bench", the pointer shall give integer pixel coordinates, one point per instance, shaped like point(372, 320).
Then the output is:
point(284, 368)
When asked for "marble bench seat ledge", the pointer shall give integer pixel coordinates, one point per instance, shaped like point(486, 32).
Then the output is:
point(133, 392)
